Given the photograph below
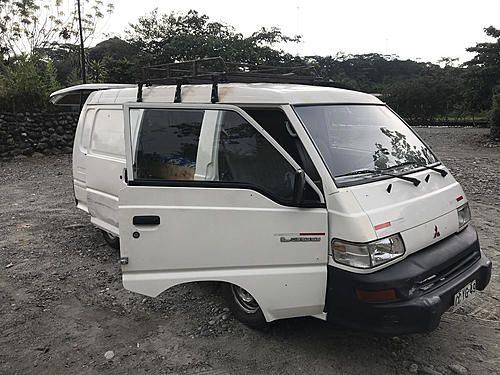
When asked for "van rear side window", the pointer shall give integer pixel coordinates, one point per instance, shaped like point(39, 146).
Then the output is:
point(87, 128)
point(107, 134)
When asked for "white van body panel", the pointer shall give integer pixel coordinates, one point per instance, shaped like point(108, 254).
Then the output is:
point(408, 206)
point(98, 163)
point(422, 215)
point(196, 241)
point(238, 93)
point(79, 159)
point(348, 220)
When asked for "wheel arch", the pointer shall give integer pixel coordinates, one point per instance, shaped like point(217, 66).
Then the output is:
point(281, 292)
point(155, 287)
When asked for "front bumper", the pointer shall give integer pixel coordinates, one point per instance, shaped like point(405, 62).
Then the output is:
point(425, 283)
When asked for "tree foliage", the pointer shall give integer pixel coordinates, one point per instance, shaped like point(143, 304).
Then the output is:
point(28, 26)
point(488, 53)
point(495, 114)
point(176, 37)
point(483, 71)
point(26, 83)
point(38, 42)
point(38, 48)
point(157, 39)
point(368, 72)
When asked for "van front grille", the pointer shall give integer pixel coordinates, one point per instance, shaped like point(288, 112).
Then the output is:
point(434, 281)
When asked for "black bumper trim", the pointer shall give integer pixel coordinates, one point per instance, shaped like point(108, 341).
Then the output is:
point(456, 261)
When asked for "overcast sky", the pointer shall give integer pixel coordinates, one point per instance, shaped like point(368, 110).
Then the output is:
point(424, 30)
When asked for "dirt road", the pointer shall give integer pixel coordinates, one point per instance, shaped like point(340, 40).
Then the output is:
point(62, 305)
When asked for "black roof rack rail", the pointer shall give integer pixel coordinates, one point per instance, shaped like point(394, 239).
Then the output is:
point(215, 70)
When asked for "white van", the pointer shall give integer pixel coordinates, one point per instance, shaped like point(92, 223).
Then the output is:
point(303, 200)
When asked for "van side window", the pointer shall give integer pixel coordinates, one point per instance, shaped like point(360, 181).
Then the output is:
point(167, 143)
point(107, 134)
point(209, 148)
point(245, 156)
point(87, 128)
point(275, 122)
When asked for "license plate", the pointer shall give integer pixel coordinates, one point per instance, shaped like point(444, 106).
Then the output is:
point(466, 293)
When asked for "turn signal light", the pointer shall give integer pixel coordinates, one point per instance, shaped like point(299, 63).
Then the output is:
point(376, 295)
point(338, 247)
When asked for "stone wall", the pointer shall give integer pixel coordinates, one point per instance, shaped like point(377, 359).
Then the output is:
point(31, 134)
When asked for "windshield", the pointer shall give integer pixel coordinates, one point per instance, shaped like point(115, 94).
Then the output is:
point(357, 138)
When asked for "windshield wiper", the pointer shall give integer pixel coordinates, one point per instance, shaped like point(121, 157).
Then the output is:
point(442, 172)
point(413, 180)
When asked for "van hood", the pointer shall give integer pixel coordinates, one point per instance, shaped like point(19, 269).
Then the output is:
point(423, 214)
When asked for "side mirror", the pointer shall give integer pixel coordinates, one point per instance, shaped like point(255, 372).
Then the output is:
point(298, 186)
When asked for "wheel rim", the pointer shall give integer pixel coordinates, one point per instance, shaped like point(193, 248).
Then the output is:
point(244, 299)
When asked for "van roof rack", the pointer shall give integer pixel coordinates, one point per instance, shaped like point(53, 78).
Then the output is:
point(215, 70)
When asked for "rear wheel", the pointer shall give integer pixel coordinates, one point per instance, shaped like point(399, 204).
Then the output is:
point(245, 308)
point(111, 240)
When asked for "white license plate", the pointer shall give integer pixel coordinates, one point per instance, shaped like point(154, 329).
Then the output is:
point(466, 293)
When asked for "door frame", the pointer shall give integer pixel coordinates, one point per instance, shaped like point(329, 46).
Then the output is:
point(283, 289)
point(206, 107)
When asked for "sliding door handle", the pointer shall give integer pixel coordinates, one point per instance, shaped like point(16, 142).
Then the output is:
point(146, 220)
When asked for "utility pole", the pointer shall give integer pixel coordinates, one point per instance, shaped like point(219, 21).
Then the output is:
point(82, 50)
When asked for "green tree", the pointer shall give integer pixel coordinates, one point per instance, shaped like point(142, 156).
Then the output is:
point(113, 47)
point(96, 71)
point(118, 60)
point(420, 91)
point(177, 37)
point(121, 70)
point(484, 70)
point(66, 60)
point(370, 72)
point(495, 115)
point(28, 26)
point(50, 83)
point(26, 83)
point(421, 99)
point(39, 50)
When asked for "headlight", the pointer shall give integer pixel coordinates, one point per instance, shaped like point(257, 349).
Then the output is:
point(370, 254)
point(463, 215)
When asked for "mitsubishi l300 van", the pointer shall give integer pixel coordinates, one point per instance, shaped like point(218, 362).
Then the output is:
point(302, 200)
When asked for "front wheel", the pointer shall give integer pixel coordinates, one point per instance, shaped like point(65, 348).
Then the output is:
point(244, 307)
point(111, 240)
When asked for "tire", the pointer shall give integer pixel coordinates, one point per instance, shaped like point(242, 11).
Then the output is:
point(111, 240)
point(244, 307)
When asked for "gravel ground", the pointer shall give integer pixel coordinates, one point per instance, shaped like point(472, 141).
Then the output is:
point(63, 308)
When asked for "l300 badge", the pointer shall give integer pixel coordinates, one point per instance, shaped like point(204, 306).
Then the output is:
point(300, 239)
